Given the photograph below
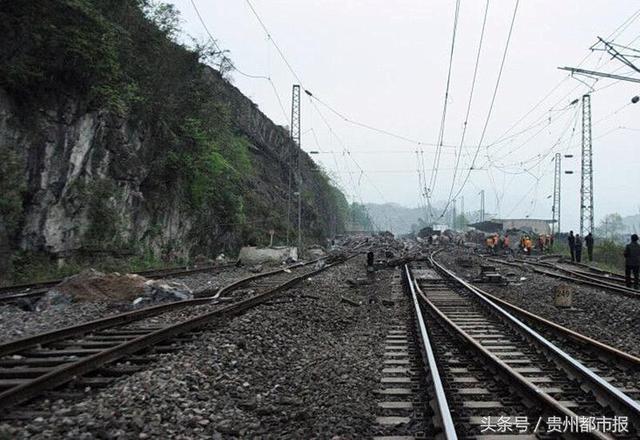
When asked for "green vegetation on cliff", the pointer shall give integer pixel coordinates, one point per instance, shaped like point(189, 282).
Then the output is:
point(121, 59)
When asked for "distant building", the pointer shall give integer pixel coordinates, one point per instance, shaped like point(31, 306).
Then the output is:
point(535, 225)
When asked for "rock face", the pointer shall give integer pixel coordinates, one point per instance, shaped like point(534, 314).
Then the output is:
point(68, 155)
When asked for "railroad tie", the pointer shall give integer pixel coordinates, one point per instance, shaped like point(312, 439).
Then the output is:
point(398, 403)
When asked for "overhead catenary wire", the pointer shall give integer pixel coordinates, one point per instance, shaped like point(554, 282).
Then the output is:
point(493, 98)
point(468, 111)
point(233, 66)
point(436, 160)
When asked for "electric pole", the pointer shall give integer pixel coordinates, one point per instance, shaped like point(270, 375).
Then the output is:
point(453, 213)
point(586, 184)
point(295, 135)
point(481, 205)
point(555, 210)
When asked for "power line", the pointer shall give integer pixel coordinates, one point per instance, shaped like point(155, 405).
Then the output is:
point(233, 66)
point(495, 92)
point(436, 160)
point(468, 112)
point(266, 30)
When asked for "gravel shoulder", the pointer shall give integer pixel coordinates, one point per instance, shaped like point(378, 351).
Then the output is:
point(602, 315)
point(304, 365)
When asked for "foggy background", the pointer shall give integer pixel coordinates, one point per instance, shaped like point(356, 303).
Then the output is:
point(384, 64)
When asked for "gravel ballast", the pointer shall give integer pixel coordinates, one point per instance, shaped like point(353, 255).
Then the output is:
point(303, 365)
point(603, 315)
point(17, 323)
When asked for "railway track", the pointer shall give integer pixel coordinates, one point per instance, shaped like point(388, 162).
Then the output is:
point(574, 275)
point(95, 353)
point(33, 290)
point(496, 369)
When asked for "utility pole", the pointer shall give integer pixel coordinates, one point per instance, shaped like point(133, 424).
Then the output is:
point(555, 210)
point(586, 184)
point(481, 205)
point(295, 135)
point(453, 213)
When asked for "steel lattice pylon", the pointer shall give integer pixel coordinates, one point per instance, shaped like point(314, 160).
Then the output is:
point(293, 159)
point(586, 184)
point(555, 210)
point(295, 114)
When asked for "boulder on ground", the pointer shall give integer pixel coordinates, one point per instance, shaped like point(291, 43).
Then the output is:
point(256, 268)
point(53, 298)
point(158, 291)
point(277, 254)
point(92, 285)
point(315, 251)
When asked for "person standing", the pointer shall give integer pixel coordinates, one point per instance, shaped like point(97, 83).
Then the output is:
point(571, 239)
point(632, 261)
point(578, 248)
point(588, 241)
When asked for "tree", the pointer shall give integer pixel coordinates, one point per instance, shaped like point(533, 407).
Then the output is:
point(610, 226)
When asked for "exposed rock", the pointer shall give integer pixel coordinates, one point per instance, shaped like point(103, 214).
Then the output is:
point(256, 268)
point(156, 291)
point(92, 285)
point(53, 298)
point(315, 251)
point(278, 254)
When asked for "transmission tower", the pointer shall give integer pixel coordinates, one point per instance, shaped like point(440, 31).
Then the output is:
point(556, 194)
point(293, 159)
point(295, 135)
point(586, 184)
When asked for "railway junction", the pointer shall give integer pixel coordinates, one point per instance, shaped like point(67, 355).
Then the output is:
point(419, 347)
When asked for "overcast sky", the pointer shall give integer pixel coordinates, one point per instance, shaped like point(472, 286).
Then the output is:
point(384, 63)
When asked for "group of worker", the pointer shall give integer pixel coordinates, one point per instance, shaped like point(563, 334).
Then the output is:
point(495, 242)
point(575, 246)
point(631, 255)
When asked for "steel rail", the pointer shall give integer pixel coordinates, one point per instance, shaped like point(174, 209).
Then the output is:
point(592, 276)
point(509, 373)
point(441, 398)
point(119, 319)
point(67, 372)
point(593, 343)
point(575, 278)
point(42, 287)
point(617, 397)
point(612, 280)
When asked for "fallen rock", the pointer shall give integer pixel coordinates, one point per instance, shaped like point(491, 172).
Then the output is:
point(316, 251)
point(254, 255)
point(53, 298)
point(157, 291)
point(92, 285)
point(256, 269)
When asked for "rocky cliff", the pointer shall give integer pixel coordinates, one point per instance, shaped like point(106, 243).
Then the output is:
point(195, 171)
